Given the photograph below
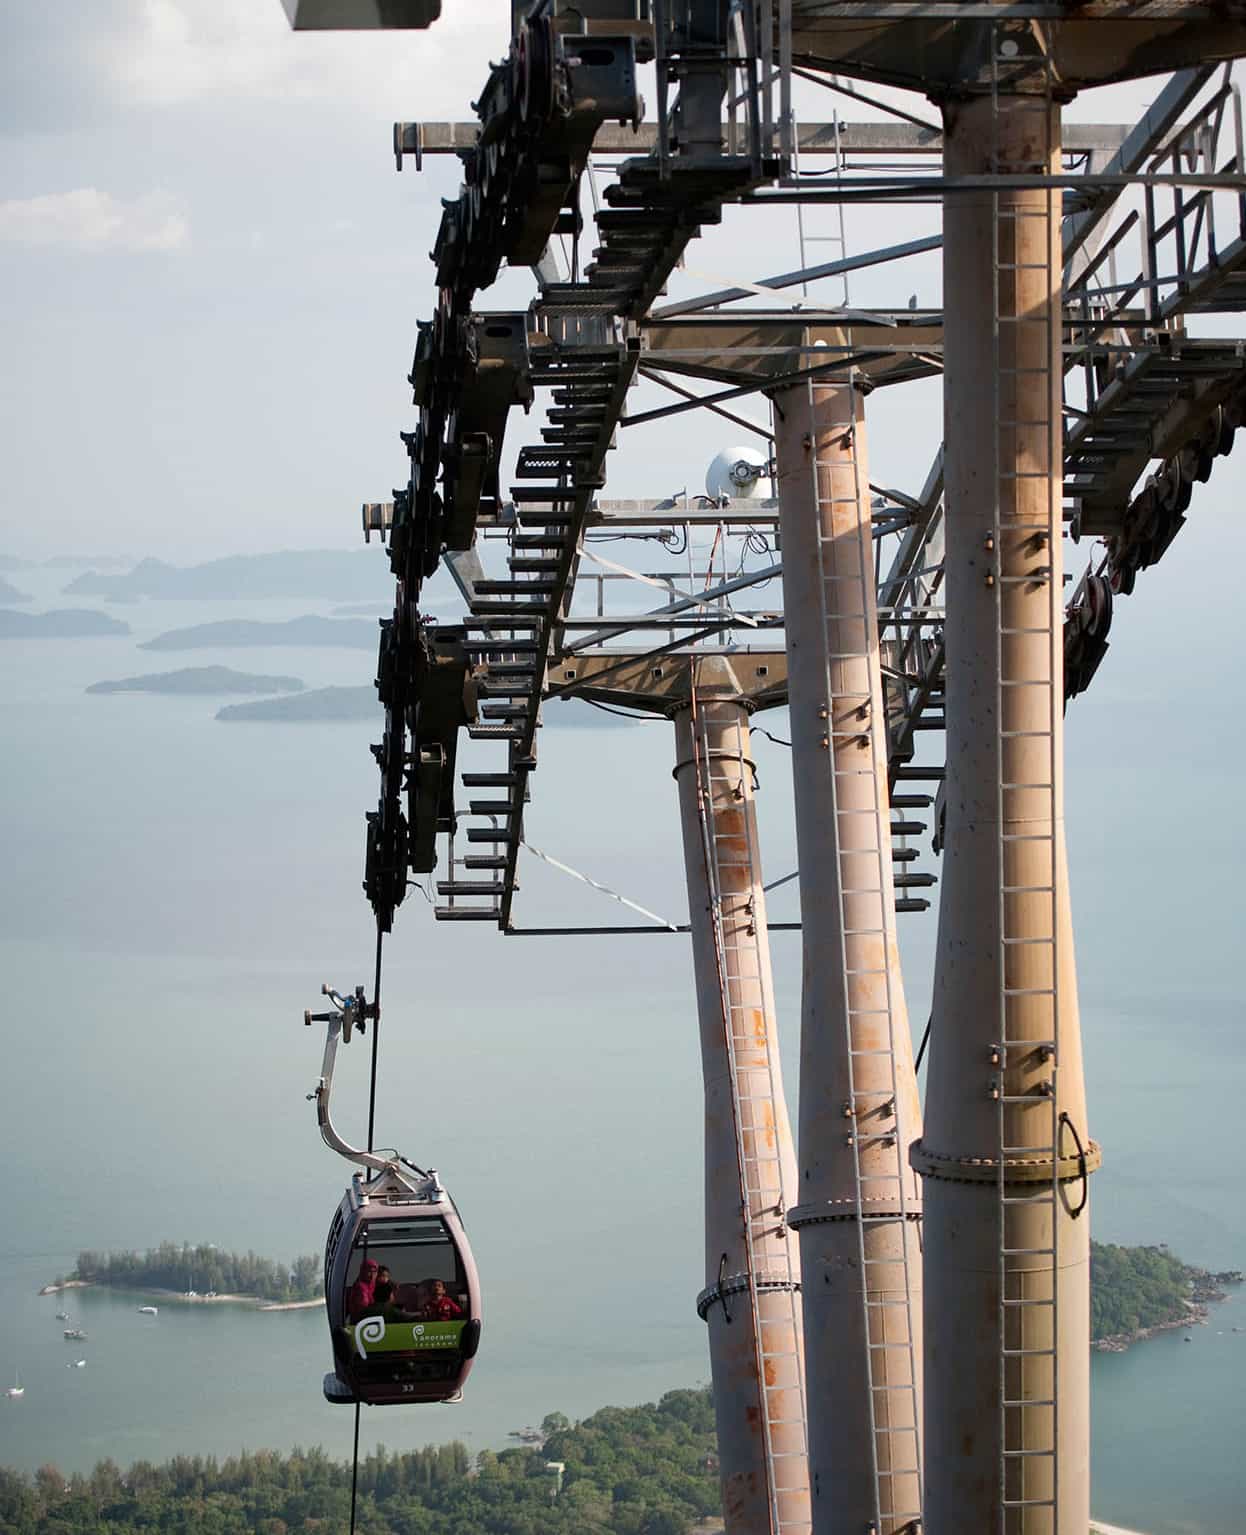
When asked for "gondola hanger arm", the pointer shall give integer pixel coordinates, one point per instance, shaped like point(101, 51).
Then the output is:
point(348, 1012)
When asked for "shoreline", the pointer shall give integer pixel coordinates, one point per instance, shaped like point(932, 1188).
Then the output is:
point(180, 1298)
point(1207, 1290)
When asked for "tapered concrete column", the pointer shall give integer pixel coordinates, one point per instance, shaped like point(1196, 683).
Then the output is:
point(755, 1356)
point(1005, 987)
point(859, 1202)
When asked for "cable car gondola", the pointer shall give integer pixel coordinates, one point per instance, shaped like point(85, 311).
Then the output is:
point(416, 1341)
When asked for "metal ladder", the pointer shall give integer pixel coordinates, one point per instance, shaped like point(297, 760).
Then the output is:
point(831, 212)
point(736, 931)
point(851, 716)
point(1028, 1121)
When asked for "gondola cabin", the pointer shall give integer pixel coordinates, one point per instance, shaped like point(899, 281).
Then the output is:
point(401, 1292)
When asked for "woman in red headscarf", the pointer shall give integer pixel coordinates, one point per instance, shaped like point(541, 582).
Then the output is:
point(360, 1296)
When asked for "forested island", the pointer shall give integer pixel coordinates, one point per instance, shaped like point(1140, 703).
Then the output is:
point(59, 624)
point(1138, 1291)
point(356, 634)
point(200, 680)
point(342, 574)
point(336, 704)
point(203, 1272)
point(648, 1470)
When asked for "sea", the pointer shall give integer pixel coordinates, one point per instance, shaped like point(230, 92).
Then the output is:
point(177, 890)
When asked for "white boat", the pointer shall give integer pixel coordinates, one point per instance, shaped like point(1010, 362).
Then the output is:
point(149, 1311)
point(16, 1389)
point(62, 1316)
point(76, 1364)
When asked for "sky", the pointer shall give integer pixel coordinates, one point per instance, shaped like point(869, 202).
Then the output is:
point(210, 275)
point(208, 266)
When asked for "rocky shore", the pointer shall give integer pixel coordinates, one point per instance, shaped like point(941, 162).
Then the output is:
point(1206, 1290)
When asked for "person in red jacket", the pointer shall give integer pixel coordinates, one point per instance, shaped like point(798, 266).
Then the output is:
point(438, 1306)
point(360, 1295)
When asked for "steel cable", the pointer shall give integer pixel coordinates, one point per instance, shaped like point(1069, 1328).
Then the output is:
point(376, 1031)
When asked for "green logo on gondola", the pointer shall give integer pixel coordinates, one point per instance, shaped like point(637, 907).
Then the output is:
point(374, 1335)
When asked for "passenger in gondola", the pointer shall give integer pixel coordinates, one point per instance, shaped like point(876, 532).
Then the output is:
point(385, 1304)
point(360, 1295)
point(438, 1306)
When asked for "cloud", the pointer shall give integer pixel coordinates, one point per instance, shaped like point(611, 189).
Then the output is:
point(177, 52)
point(88, 219)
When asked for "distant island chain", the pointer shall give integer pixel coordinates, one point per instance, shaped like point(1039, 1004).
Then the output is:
point(1135, 1292)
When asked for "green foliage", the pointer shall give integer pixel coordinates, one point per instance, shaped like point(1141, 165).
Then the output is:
point(629, 1471)
point(1133, 1287)
point(204, 1268)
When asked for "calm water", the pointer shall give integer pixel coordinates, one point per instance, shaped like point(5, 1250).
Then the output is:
point(178, 890)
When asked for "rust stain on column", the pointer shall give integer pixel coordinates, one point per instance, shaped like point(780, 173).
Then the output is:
point(1004, 968)
point(755, 1355)
point(858, 1095)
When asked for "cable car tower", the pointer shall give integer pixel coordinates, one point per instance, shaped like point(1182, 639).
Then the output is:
point(415, 1340)
point(868, 1379)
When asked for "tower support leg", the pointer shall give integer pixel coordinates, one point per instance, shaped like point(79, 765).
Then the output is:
point(1006, 1154)
point(751, 1302)
point(859, 1202)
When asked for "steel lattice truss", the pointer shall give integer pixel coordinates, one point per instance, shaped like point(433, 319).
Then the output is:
point(1154, 233)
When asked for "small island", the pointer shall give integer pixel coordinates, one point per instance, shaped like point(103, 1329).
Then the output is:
point(336, 704)
point(200, 680)
point(1136, 1292)
point(346, 575)
point(59, 624)
point(200, 1274)
point(355, 634)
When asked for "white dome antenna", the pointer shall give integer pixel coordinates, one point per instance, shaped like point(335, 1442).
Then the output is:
point(738, 474)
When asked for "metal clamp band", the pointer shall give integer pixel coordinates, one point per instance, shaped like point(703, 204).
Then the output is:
point(949, 1169)
point(738, 1284)
point(827, 1211)
point(715, 754)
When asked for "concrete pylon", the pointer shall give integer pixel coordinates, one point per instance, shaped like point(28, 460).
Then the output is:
point(1006, 1153)
point(751, 1302)
point(859, 1202)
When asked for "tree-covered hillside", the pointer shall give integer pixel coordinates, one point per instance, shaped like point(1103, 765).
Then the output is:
point(204, 1268)
point(626, 1471)
point(1135, 1287)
